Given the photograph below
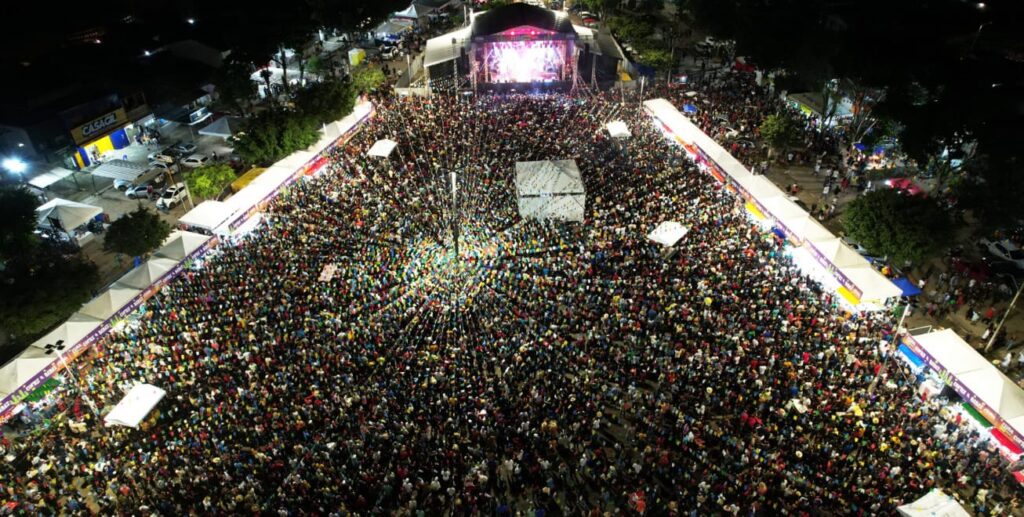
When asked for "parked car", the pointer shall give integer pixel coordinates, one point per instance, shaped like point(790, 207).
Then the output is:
point(196, 160)
point(142, 191)
point(388, 52)
point(1004, 250)
point(184, 148)
point(163, 155)
point(164, 166)
point(171, 197)
point(864, 251)
point(905, 186)
point(123, 185)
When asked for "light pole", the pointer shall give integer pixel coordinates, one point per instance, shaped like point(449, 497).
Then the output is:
point(896, 337)
point(992, 339)
point(455, 214)
point(977, 35)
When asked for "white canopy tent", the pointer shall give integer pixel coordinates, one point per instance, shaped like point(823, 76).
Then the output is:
point(180, 245)
point(146, 274)
point(618, 129)
point(391, 28)
point(550, 189)
point(77, 327)
point(22, 368)
point(64, 215)
point(413, 12)
point(109, 302)
point(120, 170)
point(382, 148)
point(293, 161)
point(996, 390)
point(668, 233)
point(440, 49)
point(223, 127)
point(133, 408)
point(50, 177)
point(835, 251)
point(951, 352)
point(873, 287)
point(207, 215)
point(933, 504)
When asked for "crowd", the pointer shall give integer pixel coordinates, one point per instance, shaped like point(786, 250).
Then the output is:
point(549, 369)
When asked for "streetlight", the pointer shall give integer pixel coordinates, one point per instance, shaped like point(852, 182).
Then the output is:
point(191, 21)
point(978, 34)
point(15, 165)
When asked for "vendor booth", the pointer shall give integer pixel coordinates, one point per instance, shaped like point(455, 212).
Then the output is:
point(856, 282)
point(68, 217)
point(206, 216)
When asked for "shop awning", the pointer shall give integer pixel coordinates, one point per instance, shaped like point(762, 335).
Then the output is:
point(913, 358)
point(50, 177)
point(120, 170)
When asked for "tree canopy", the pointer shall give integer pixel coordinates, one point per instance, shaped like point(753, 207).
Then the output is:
point(208, 182)
point(273, 135)
point(136, 233)
point(17, 221)
point(326, 101)
point(367, 78)
point(905, 228)
point(779, 131)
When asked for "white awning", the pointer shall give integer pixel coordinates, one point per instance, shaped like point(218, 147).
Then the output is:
point(134, 407)
point(50, 177)
point(147, 274)
point(207, 215)
point(382, 148)
point(668, 233)
point(120, 170)
point(618, 129)
point(180, 245)
point(934, 504)
point(223, 127)
point(22, 368)
point(441, 49)
point(109, 302)
point(68, 333)
point(65, 215)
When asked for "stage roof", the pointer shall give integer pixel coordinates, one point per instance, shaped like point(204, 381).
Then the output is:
point(440, 48)
point(504, 18)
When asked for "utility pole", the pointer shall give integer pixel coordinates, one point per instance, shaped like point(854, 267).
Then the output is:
point(992, 339)
point(896, 338)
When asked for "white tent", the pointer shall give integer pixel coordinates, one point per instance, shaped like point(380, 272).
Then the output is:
point(618, 129)
point(147, 274)
point(934, 504)
point(550, 189)
point(951, 352)
point(207, 215)
point(180, 245)
point(668, 233)
point(413, 12)
point(120, 170)
point(294, 161)
point(134, 407)
point(440, 49)
point(50, 177)
point(109, 302)
point(382, 148)
point(65, 215)
point(836, 252)
point(223, 127)
point(21, 369)
point(390, 28)
point(759, 188)
point(77, 327)
point(997, 391)
point(874, 287)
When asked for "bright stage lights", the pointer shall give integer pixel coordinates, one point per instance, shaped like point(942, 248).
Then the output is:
point(15, 165)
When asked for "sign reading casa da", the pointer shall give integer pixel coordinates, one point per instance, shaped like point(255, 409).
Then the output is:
point(99, 126)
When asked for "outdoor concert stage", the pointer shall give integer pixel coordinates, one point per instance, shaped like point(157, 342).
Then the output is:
point(517, 47)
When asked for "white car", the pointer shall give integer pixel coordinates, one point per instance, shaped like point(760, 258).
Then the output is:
point(172, 196)
point(196, 160)
point(1005, 250)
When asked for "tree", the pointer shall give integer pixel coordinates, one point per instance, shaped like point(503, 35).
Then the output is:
point(326, 101)
point(366, 79)
point(38, 293)
point(208, 182)
point(779, 131)
point(235, 86)
point(266, 75)
point(271, 135)
point(905, 228)
point(136, 233)
point(17, 222)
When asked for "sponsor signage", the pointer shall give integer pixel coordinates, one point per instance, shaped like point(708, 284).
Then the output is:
point(8, 403)
point(99, 126)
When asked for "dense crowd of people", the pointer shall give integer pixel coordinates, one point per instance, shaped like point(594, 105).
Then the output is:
point(341, 359)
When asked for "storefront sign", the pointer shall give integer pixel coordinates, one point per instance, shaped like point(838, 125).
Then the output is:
point(97, 127)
